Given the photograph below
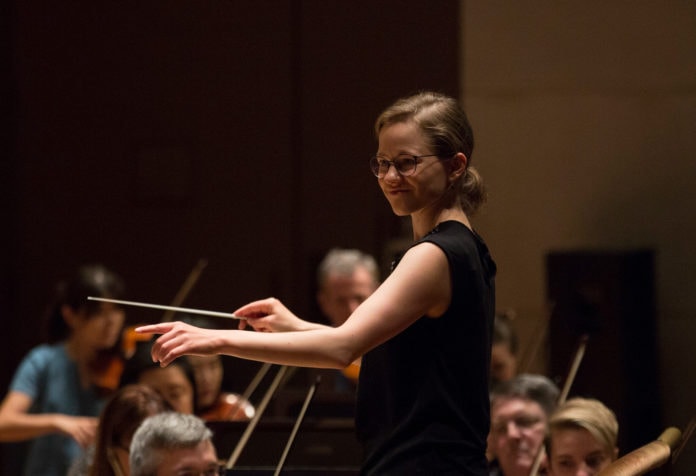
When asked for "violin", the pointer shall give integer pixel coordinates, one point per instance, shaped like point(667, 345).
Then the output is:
point(352, 372)
point(108, 366)
point(229, 407)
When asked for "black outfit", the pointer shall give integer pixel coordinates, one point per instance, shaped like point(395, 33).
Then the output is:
point(423, 395)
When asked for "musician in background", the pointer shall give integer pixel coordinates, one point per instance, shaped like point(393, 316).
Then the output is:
point(118, 421)
point(345, 278)
point(520, 411)
point(212, 403)
point(504, 349)
point(175, 383)
point(173, 443)
point(582, 438)
point(55, 395)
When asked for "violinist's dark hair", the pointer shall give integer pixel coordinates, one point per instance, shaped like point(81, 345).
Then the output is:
point(141, 361)
point(118, 421)
point(90, 280)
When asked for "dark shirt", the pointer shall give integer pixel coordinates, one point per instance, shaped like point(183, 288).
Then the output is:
point(423, 395)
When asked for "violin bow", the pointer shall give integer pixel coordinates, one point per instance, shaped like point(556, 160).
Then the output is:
point(293, 434)
point(532, 349)
point(185, 289)
point(257, 416)
point(255, 381)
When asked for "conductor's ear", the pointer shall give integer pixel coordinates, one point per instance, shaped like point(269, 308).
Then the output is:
point(457, 165)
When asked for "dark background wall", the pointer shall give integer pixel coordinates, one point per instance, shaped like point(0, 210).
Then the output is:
point(147, 135)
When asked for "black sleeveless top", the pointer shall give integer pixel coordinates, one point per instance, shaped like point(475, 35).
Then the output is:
point(423, 395)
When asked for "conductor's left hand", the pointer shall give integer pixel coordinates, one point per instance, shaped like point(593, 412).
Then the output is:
point(179, 339)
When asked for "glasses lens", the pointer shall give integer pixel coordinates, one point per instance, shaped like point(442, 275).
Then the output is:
point(405, 165)
point(374, 166)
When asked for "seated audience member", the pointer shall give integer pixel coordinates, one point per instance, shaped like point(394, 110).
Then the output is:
point(520, 410)
point(57, 391)
point(118, 421)
point(176, 382)
point(212, 403)
point(173, 443)
point(582, 438)
point(504, 349)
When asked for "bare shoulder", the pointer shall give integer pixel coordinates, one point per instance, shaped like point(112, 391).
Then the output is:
point(423, 275)
point(425, 256)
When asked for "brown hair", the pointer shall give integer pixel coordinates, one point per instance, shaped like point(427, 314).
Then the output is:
point(445, 125)
point(118, 421)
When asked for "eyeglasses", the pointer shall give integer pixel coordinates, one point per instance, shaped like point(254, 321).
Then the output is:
point(522, 422)
point(405, 165)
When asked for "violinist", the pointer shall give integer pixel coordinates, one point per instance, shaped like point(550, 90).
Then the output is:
point(212, 403)
point(425, 333)
point(54, 398)
point(175, 383)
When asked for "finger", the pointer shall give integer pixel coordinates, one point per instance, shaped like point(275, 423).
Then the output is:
point(160, 328)
point(159, 346)
point(167, 357)
point(169, 347)
point(256, 308)
point(257, 323)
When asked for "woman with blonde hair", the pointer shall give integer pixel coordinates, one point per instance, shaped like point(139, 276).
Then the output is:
point(582, 438)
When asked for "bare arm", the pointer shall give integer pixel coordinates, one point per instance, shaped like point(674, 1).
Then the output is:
point(419, 286)
point(16, 424)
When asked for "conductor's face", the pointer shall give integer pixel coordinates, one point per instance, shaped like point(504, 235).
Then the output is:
point(196, 461)
point(415, 188)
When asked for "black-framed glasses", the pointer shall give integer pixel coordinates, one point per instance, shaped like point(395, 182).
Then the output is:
point(404, 164)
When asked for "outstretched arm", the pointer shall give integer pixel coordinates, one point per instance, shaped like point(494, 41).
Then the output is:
point(296, 348)
point(419, 286)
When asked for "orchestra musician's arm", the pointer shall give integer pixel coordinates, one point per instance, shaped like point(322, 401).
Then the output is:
point(16, 424)
point(420, 285)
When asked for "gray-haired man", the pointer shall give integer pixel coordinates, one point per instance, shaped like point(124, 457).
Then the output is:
point(173, 444)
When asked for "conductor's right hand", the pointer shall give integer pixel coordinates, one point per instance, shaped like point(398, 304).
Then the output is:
point(270, 315)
